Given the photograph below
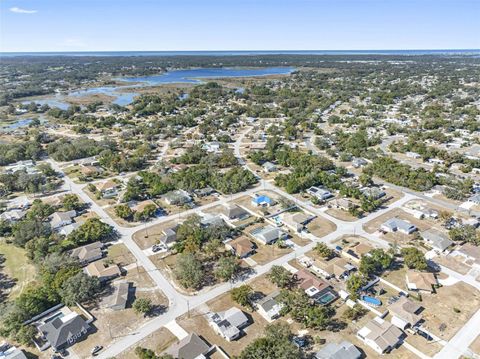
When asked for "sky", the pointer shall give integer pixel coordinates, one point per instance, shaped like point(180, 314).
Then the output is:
point(208, 25)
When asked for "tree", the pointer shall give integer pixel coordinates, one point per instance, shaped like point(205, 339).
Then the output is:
point(324, 251)
point(242, 295)
point(39, 210)
point(355, 282)
point(355, 313)
point(226, 268)
point(142, 306)
point(465, 233)
point(365, 180)
point(148, 212)
point(414, 258)
point(92, 230)
point(26, 230)
point(276, 344)
point(71, 202)
point(124, 211)
point(79, 288)
point(375, 262)
point(280, 276)
point(144, 353)
point(189, 271)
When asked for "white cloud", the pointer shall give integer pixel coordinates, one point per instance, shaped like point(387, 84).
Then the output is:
point(18, 10)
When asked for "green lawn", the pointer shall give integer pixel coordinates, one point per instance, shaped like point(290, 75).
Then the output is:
point(16, 266)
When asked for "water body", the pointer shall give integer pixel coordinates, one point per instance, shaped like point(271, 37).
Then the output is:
point(447, 52)
point(175, 76)
point(195, 75)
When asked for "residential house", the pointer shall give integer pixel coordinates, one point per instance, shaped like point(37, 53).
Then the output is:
point(9, 352)
point(267, 234)
point(262, 201)
point(269, 307)
point(13, 216)
point(405, 313)
point(380, 335)
point(269, 167)
point(119, 298)
point(316, 288)
point(88, 253)
point(102, 271)
point(208, 219)
point(397, 224)
point(63, 330)
point(319, 193)
point(60, 219)
point(335, 267)
point(69, 228)
point(21, 202)
point(177, 197)
point(475, 199)
point(108, 189)
point(203, 192)
point(296, 221)
point(27, 166)
point(373, 192)
point(169, 235)
point(213, 147)
point(228, 324)
point(358, 162)
point(241, 247)
point(233, 212)
point(420, 281)
point(344, 350)
point(345, 204)
point(190, 347)
point(436, 239)
point(91, 171)
point(413, 155)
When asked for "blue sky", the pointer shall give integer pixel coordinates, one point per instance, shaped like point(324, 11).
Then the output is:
point(122, 25)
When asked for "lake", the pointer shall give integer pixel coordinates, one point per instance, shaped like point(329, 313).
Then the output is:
point(175, 76)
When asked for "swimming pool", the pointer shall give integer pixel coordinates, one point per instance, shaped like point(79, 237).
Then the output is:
point(326, 298)
point(371, 301)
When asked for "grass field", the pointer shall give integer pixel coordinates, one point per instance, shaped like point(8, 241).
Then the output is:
point(16, 266)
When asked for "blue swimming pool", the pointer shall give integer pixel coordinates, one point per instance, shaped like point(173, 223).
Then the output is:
point(372, 301)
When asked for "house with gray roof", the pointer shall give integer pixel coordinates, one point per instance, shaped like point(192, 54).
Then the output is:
point(373, 192)
point(228, 324)
point(10, 352)
point(397, 224)
point(269, 307)
point(190, 347)
point(64, 331)
point(436, 239)
point(344, 350)
point(119, 298)
point(60, 219)
point(233, 211)
point(268, 234)
point(169, 235)
point(88, 253)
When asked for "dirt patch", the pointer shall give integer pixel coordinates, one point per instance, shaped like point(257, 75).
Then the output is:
point(267, 253)
point(120, 254)
point(149, 236)
point(341, 214)
point(453, 263)
point(320, 227)
point(448, 310)
point(110, 324)
point(159, 341)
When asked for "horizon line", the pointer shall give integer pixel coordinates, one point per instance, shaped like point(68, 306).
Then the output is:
point(277, 51)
